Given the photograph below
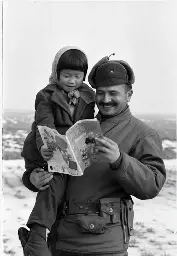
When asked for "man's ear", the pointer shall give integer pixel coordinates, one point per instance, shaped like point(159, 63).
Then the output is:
point(129, 95)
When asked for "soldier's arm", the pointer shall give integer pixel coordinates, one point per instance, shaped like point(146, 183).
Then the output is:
point(143, 173)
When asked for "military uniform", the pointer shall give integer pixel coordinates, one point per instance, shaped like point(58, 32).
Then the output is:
point(98, 209)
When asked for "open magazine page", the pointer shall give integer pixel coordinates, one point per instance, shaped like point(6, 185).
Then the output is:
point(62, 160)
point(81, 137)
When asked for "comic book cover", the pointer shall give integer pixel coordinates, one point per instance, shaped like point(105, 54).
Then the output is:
point(63, 160)
point(74, 152)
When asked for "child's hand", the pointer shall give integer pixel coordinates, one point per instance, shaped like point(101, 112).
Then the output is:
point(46, 153)
point(40, 178)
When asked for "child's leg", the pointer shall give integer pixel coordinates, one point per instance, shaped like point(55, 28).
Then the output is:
point(47, 203)
point(44, 215)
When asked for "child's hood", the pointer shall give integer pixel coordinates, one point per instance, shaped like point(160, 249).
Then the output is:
point(53, 77)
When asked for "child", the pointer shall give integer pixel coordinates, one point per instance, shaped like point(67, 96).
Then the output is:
point(64, 101)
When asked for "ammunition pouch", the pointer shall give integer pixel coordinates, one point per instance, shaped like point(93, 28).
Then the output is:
point(110, 210)
point(92, 224)
point(96, 219)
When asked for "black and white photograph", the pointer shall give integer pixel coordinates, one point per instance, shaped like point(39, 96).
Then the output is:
point(111, 61)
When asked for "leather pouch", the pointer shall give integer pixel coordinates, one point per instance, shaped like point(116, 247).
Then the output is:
point(92, 224)
point(110, 210)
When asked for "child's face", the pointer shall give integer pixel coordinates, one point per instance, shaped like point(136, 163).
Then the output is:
point(70, 79)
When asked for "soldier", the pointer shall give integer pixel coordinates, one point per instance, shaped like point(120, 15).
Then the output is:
point(98, 213)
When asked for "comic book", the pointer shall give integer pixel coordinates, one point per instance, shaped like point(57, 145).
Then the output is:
point(73, 152)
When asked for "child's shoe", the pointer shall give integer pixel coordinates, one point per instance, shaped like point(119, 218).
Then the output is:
point(36, 244)
point(23, 235)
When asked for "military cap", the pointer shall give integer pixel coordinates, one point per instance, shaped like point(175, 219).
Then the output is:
point(108, 72)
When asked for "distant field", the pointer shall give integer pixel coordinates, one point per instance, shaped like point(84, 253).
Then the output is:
point(164, 124)
point(14, 121)
point(17, 124)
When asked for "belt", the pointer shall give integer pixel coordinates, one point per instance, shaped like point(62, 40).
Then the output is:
point(71, 208)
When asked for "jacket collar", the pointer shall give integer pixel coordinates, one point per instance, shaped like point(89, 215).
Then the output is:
point(108, 123)
point(86, 95)
point(58, 96)
point(124, 115)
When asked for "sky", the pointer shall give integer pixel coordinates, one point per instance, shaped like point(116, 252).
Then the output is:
point(141, 33)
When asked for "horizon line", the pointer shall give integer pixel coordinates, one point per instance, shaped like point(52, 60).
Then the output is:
point(135, 113)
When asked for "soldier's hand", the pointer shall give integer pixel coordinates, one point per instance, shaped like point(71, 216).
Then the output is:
point(107, 149)
point(40, 178)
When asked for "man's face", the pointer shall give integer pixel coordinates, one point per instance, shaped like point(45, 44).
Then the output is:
point(112, 100)
point(70, 79)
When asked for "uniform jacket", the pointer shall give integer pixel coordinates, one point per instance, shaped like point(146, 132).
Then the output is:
point(52, 110)
point(139, 172)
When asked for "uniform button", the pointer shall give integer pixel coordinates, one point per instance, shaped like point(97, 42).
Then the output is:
point(80, 206)
point(92, 226)
point(110, 209)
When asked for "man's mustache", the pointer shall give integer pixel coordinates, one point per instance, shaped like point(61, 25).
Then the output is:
point(107, 104)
